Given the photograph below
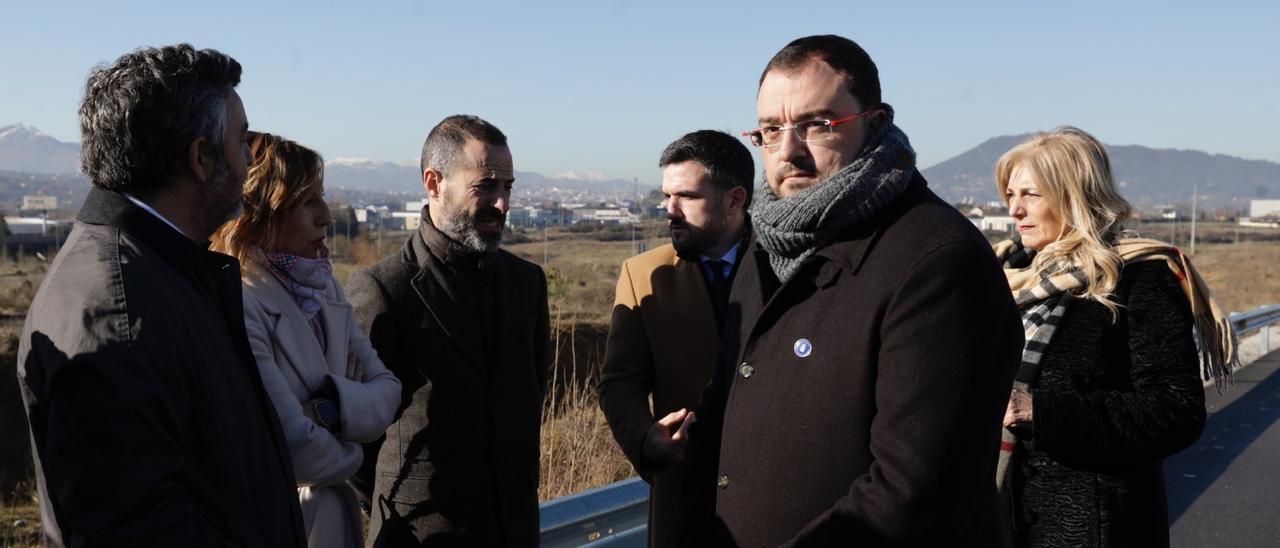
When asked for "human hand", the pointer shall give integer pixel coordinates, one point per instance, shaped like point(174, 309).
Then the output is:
point(661, 445)
point(1018, 412)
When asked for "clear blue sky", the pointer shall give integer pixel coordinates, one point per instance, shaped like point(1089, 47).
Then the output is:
point(603, 86)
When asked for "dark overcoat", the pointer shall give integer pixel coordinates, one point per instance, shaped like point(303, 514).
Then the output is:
point(859, 403)
point(149, 422)
point(1116, 395)
point(459, 466)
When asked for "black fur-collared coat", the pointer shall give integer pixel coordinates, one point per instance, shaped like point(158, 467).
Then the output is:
point(1113, 400)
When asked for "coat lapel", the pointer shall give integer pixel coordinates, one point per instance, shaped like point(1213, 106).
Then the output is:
point(753, 286)
point(336, 317)
point(292, 332)
point(693, 308)
point(459, 323)
point(765, 292)
point(510, 311)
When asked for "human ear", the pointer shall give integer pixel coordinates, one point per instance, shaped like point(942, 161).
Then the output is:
point(737, 198)
point(431, 181)
point(200, 159)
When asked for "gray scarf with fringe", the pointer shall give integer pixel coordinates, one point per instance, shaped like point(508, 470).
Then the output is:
point(791, 229)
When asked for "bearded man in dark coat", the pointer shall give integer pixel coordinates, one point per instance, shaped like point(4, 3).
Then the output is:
point(463, 324)
point(871, 342)
point(149, 422)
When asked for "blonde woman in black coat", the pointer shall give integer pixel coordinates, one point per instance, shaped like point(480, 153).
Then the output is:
point(1110, 381)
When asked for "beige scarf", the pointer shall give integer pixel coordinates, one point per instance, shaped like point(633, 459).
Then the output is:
point(1215, 338)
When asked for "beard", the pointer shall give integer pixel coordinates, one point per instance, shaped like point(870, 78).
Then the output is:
point(464, 227)
point(222, 198)
point(691, 242)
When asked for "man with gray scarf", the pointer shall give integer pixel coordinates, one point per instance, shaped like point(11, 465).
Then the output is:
point(870, 344)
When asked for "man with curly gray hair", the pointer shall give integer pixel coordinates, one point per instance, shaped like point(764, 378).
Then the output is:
point(149, 422)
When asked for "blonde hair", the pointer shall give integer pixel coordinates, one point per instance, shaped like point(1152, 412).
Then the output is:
point(281, 177)
point(1072, 171)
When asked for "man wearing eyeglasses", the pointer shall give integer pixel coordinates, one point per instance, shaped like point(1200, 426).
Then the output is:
point(669, 307)
point(871, 341)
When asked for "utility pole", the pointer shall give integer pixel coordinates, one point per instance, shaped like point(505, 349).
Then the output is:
point(1195, 199)
point(634, 181)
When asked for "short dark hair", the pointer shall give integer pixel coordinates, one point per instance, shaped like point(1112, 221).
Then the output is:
point(726, 159)
point(446, 140)
point(840, 53)
point(140, 114)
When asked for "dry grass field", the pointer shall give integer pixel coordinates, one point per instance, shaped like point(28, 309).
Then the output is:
point(581, 273)
point(19, 526)
point(19, 516)
point(1242, 276)
point(578, 451)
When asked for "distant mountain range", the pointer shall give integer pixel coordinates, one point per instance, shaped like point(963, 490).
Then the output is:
point(361, 174)
point(1147, 176)
point(24, 148)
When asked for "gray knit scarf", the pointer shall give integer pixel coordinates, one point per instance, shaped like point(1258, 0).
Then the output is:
point(791, 229)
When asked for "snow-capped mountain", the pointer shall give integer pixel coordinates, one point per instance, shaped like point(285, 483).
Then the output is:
point(25, 148)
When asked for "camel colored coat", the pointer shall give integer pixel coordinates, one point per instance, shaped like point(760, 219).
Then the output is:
point(662, 341)
point(293, 367)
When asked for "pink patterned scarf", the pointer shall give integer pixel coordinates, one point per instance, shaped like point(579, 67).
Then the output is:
point(306, 281)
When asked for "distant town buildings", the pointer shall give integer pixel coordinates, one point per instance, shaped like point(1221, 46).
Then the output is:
point(994, 217)
point(34, 226)
point(1263, 209)
point(1262, 214)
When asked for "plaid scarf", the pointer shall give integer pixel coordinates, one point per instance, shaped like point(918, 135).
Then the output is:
point(1042, 299)
point(1215, 339)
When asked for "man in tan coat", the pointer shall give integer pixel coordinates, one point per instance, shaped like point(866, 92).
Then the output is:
point(668, 311)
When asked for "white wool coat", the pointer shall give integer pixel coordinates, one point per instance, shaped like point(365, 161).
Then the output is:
point(293, 366)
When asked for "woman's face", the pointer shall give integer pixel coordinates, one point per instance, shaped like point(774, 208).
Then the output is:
point(301, 231)
point(1037, 222)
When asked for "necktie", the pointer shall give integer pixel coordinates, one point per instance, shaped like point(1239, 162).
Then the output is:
point(718, 286)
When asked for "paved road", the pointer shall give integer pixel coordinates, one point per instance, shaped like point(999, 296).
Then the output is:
point(1225, 489)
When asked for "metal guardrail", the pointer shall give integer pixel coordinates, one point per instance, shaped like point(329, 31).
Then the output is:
point(1259, 319)
point(616, 515)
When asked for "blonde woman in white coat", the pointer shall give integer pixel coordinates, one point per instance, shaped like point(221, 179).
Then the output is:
point(330, 390)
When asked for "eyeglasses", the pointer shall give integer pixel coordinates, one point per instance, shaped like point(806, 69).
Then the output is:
point(807, 131)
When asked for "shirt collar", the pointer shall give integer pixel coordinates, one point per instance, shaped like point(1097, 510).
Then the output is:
point(730, 257)
point(147, 207)
point(112, 208)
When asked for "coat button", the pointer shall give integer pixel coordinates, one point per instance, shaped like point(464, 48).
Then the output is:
point(746, 370)
point(722, 482)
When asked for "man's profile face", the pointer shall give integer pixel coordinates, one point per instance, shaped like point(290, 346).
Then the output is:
point(222, 194)
point(476, 195)
point(814, 91)
point(696, 209)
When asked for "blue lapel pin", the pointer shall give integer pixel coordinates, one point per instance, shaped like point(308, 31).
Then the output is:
point(802, 348)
